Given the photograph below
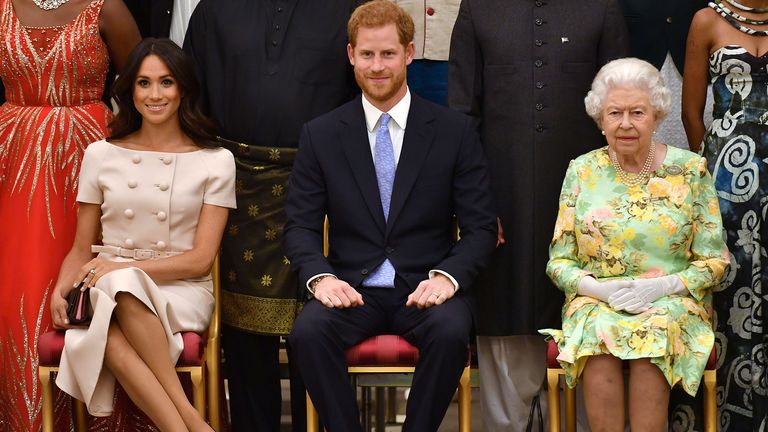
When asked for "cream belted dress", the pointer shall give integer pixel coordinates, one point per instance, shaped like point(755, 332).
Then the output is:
point(149, 200)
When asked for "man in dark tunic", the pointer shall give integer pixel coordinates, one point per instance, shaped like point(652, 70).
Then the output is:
point(523, 67)
point(266, 67)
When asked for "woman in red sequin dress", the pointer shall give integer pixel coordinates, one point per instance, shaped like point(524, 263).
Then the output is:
point(54, 56)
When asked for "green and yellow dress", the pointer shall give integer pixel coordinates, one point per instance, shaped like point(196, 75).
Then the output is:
point(671, 225)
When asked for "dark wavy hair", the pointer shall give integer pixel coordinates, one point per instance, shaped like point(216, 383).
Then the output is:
point(194, 123)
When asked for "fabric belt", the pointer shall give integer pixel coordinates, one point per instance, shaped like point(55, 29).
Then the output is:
point(137, 254)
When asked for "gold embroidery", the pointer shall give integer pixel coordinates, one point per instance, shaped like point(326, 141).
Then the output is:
point(248, 255)
point(242, 147)
point(286, 261)
point(270, 234)
point(238, 185)
point(274, 154)
point(232, 276)
point(266, 280)
point(253, 210)
point(233, 230)
point(258, 314)
point(277, 190)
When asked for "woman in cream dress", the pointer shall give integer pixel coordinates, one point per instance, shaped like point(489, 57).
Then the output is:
point(158, 193)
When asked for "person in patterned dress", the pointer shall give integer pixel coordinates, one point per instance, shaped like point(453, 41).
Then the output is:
point(728, 48)
point(54, 57)
point(637, 249)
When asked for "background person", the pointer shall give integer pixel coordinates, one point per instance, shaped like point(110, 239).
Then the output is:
point(160, 186)
point(637, 249)
point(727, 48)
point(522, 68)
point(54, 58)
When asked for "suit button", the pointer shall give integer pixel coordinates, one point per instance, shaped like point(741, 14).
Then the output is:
point(430, 11)
point(539, 128)
point(132, 183)
point(669, 20)
point(389, 250)
point(539, 85)
point(364, 271)
point(163, 186)
point(274, 43)
point(128, 213)
point(538, 63)
point(167, 160)
point(136, 159)
point(161, 216)
point(128, 243)
point(539, 107)
point(539, 21)
point(538, 42)
point(161, 245)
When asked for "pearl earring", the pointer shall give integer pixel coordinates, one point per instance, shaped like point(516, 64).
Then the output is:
point(603, 132)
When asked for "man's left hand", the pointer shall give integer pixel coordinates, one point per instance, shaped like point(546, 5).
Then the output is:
point(433, 291)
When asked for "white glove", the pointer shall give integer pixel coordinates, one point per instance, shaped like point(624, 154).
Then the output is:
point(643, 292)
point(590, 287)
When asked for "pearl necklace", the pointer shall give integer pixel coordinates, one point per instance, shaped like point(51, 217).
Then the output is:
point(49, 4)
point(631, 179)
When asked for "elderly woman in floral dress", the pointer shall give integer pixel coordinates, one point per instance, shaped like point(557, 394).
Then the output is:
point(637, 248)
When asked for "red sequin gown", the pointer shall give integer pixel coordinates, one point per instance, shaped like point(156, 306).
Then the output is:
point(54, 78)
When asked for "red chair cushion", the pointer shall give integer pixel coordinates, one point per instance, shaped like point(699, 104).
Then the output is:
point(383, 350)
point(553, 352)
point(51, 344)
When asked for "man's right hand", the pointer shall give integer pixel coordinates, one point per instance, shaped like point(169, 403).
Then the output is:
point(335, 293)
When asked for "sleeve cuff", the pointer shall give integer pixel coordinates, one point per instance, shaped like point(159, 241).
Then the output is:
point(453, 281)
point(309, 281)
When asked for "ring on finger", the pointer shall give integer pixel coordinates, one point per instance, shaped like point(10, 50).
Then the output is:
point(434, 294)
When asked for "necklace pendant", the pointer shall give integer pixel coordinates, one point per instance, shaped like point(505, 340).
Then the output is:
point(49, 4)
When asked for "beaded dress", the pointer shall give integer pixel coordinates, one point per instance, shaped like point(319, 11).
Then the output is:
point(54, 78)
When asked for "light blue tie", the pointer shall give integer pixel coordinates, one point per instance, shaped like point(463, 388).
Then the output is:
point(384, 160)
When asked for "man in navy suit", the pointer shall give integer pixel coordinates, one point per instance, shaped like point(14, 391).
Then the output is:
point(390, 170)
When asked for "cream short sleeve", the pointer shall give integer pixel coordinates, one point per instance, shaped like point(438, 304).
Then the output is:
point(88, 189)
point(220, 187)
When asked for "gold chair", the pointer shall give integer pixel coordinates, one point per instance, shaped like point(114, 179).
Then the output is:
point(391, 355)
point(201, 359)
point(554, 371)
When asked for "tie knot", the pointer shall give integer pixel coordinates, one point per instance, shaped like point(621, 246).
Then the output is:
point(384, 120)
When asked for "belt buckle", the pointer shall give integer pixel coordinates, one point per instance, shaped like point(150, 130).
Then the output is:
point(143, 254)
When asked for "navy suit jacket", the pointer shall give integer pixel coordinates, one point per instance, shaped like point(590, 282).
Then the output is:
point(441, 172)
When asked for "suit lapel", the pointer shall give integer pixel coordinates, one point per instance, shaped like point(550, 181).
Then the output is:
point(419, 135)
point(357, 149)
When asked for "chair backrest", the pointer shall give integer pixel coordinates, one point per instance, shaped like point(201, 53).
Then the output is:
point(214, 328)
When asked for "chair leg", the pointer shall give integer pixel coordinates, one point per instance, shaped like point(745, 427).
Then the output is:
point(465, 402)
point(313, 420)
point(710, 406)
point(44, 374)
point(570, 408)
point(553, 396)
point(213, 383)
point(198, 389)
point(81, 415)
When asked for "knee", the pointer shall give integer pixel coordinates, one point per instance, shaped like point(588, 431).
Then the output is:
point(310, 327)
point(451, 335)
point(117, 348)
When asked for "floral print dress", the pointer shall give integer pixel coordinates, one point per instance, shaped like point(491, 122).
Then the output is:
point(671, 225)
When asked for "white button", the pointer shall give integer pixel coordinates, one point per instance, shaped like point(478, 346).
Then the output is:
point(163, 186)
point(128, 213)
point(136, 159)
point(167, 160)
point(132, 183)
point(161, 215)
point(128, 243)
point(161, 245)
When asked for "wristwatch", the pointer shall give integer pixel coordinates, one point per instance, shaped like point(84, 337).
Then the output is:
point(315, 281)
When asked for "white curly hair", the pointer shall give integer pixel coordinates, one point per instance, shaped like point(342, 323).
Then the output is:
point(628, 72)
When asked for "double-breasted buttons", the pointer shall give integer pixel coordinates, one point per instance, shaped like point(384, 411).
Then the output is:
point(132, 183)
point(128, 213)
point(160, 245)
point(163, 186)
point(136, 159)
point(128, 243)
point(167, 160)
point(161, 216)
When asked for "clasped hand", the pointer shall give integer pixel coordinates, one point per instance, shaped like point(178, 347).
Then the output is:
point(335, 293)
point(633, 296)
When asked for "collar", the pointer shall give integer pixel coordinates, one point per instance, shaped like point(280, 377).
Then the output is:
point(399, 112)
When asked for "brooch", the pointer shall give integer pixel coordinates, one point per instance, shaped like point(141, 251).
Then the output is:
point(674, 170)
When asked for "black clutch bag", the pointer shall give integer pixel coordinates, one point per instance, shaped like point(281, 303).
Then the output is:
point(79, 305)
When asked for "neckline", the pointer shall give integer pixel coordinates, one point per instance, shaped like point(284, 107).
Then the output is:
point(152, 151)
point(746, 51)
point(661, 167)
point(58, 26)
